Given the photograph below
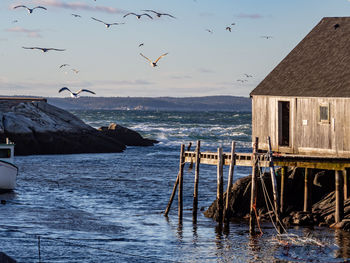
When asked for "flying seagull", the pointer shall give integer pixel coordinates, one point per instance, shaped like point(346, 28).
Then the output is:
point(64, 65)
point(138, 16)
point(30, 10)
point(248, 76)
point(106, 24)
point(75, 94)
point(44, 49)
point(228, 28)
point(153, 64)
point(75, 70)
point(241, 80)
point(159, 14)
point(76, 15)
point(140, 45)
point(210, 31)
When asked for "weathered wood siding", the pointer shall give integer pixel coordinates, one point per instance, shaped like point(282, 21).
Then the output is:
point(307, 135)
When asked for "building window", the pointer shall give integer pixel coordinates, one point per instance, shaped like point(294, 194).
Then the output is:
point(324, 113)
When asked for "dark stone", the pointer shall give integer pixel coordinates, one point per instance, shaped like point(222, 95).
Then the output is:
point(126, 136)
point(6, 259)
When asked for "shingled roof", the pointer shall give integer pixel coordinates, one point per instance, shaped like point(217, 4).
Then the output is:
point(319, 66)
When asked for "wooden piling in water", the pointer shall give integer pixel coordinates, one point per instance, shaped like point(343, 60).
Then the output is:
point(339, 197)
point(346, 180)
point(230, 177)
point(181, 173)
point(273, 181)
point(307, 190)
point(252, 219)
point(220, 185)
point(283, 184)
point(196, 180)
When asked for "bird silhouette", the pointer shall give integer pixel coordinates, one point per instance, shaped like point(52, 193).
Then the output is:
point(242, 80)
point(158, 14)
point(75, 70)
point(266, 37)
point(43, 49)
point(153, 63)
point(248, 76)
point(140, 45)
point(30, 10)
point(75, 94)
point(210, 31)
point(138, 16)
point(64, 65)
point(76, 15)
point(228, 28)
point(106, 24)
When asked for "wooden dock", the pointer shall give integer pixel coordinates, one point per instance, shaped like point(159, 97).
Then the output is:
point(258, 159)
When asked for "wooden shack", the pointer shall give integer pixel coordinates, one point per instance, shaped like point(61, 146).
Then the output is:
point(304, 103)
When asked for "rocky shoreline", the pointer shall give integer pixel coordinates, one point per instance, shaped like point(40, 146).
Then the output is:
point(323, 200)
point(39, 128)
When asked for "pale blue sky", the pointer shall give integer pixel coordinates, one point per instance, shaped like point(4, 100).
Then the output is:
point(198, 64)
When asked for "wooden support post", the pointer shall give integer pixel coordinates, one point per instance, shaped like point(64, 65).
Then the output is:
point(174, 188)
point(273, 181)
point(181, 173)
point(252, 219)
point(220, 185)
point(346, 180)
point(283, 184)
point(307, 190)
point(339, 197)
point(196, 180)
point(172, 196)
point(230, 178)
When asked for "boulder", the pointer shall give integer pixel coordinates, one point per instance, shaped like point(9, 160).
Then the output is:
point(125, 135)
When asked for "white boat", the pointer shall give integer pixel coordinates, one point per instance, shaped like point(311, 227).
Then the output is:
point(8, 171)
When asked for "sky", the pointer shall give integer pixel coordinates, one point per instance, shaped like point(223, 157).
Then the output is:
point(198, 63)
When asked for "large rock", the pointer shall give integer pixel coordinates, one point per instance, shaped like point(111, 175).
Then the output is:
point(40, 128)
point(127, 136)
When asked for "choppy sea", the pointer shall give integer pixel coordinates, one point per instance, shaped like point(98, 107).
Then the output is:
point(108, 207)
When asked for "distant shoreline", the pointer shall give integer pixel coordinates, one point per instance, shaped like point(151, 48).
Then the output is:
point(207, 103)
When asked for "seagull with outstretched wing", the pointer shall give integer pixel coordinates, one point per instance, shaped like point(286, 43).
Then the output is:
point(75, 94)
point(158, 14)
point(138, 16)
point(107, 24)
point(153, 63)
point(44, 49)
point(30, 10)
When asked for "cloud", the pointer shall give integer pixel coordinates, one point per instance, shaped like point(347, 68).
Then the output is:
point(205, 70)
point(78, 6)
point(181, 77)
point(249, 16)
point(34, 33)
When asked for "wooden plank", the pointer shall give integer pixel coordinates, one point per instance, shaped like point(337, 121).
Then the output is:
point(220, 185)
point(252, 219)
point(230, 178)
point(273, 180)
point(283, 184)
point(196, 181)
point(346, 181)
point(339, 197)
point(307, 190)
point(181, 173)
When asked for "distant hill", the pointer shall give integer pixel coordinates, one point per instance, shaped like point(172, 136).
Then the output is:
point(208, 103)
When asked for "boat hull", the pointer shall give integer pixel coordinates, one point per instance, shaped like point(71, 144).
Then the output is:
point(8, 175)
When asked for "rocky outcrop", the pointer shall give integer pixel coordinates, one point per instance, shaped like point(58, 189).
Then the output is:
point(323, 200)
point(127, 136)
point(40, 128)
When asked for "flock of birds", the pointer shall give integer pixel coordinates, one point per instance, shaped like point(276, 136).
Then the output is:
point(147, 13)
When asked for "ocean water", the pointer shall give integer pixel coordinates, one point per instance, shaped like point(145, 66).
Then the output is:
point(108, 207)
